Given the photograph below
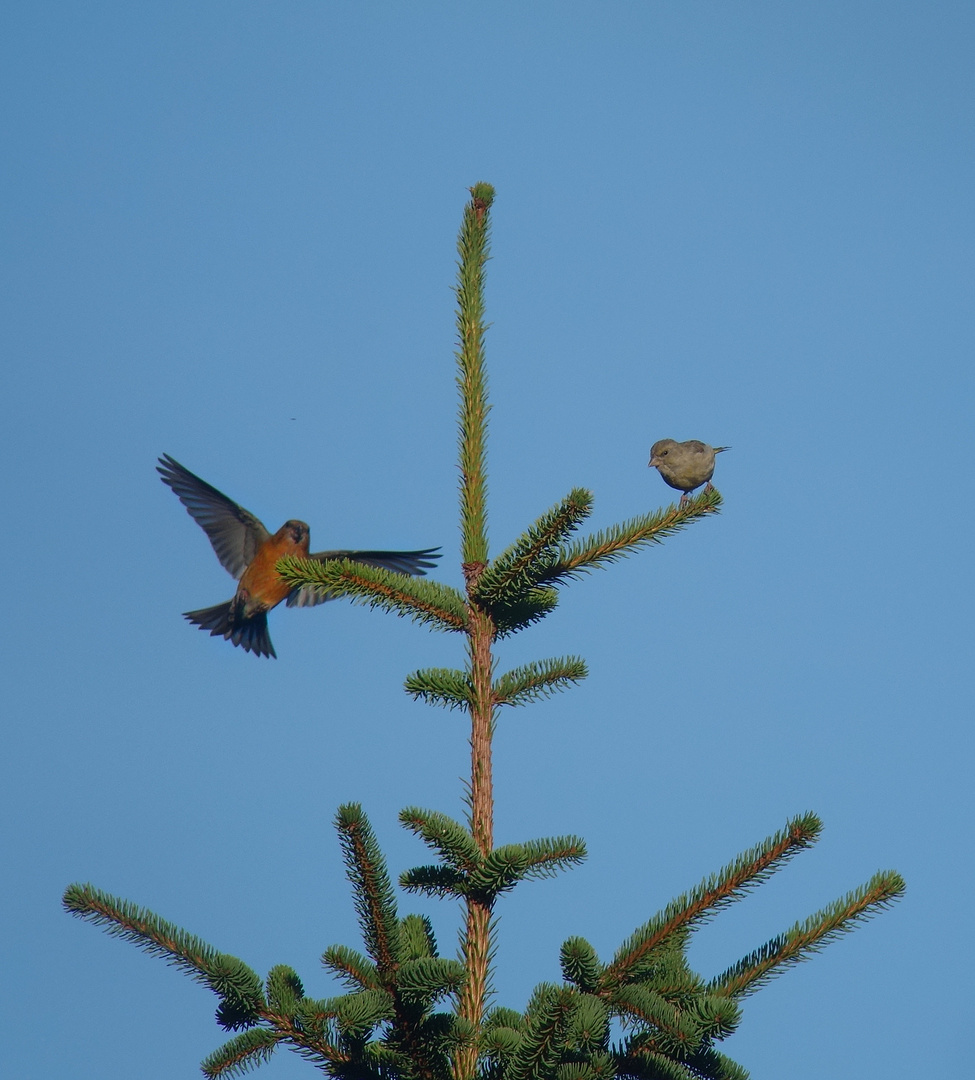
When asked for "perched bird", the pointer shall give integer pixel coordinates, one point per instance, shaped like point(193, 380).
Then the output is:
point(684, 465)
point(249, 552)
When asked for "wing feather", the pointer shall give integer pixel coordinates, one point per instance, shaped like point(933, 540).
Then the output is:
point(233, 531)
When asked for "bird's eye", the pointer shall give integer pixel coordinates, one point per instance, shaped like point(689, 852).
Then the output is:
point(664, 453)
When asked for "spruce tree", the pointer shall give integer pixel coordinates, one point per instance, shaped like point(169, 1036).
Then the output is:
point(408, 1013)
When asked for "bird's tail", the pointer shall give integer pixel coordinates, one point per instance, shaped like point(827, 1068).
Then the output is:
point(221, 620)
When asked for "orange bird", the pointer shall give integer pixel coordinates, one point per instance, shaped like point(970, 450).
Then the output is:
point(249, 552)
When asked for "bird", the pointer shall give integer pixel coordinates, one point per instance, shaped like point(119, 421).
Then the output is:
point(249, 553)
point(684, 465)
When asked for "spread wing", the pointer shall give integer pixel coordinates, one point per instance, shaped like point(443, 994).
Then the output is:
point(233, 531)
point(401, 562)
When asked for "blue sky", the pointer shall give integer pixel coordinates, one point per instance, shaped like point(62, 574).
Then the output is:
point(229, 237)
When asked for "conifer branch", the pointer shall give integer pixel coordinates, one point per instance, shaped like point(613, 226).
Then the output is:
point(142, 927)
point(600, 1067)
point(424, 980)
point(802, 940)
point(547, 856)
point(715, 892)
point(284, 989)
point(241, 1054)
point(713, 1065)
point(438, 881)
point(231, 979)
point(620, 540)
point(580, 964)
point(317, 1018)
point(334, 1055)
point(422, 600)
point(351, 968)
point(522, 565)
point(502, 1017)
point(547, 1014)
point(647, 1005)
point(538, 679)
point(499, 1044)
point(424, 1048)
point(647, 1064)
point(473, 246)
point(666, 968)
point(416, 934)
point(588, 1029)
point(455, 844)
point(501, 870)
point(357, 1014)
point(496, 872)
point(713, 1013)
point(448, 687)
point(374, 898)
point(530, 608)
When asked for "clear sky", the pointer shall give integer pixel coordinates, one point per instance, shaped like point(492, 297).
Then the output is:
point(229, 236)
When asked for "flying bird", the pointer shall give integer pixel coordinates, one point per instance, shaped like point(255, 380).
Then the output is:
point(249, 553)
point(684, 465)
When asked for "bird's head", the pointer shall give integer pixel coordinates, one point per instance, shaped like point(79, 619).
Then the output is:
point(298, 531)
point(659, 451)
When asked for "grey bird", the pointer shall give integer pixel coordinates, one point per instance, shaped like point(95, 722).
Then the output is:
point(684, 465)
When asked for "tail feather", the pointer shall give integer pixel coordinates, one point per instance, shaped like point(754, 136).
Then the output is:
point(250, 634)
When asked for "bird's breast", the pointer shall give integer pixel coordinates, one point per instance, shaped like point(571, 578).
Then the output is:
point(264, 586)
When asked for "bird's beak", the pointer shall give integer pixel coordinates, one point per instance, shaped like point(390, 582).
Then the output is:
point(653, 463)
